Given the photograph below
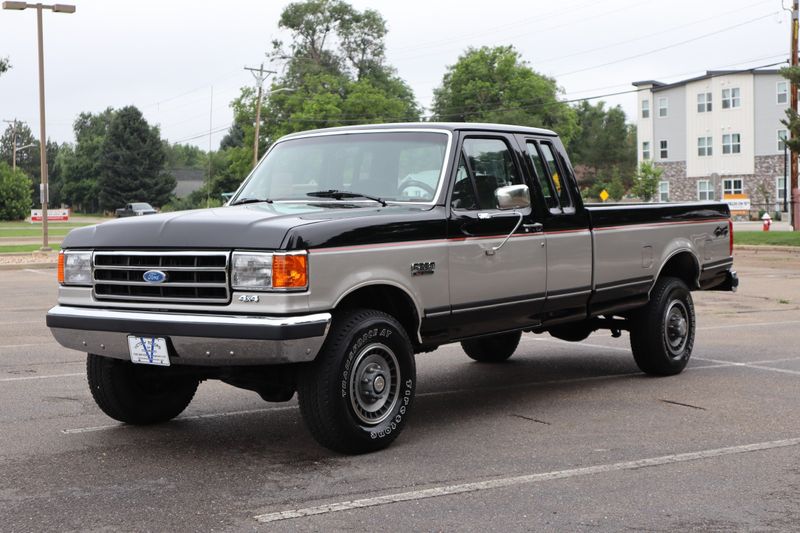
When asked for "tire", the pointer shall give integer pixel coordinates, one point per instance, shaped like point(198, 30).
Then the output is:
point(494, 349)
point(136, 395)
point(662, 335)
point(357, 395)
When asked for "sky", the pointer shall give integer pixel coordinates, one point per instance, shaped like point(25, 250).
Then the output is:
point(182, 62)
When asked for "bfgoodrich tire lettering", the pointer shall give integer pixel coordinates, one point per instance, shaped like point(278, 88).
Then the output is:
point(357, 395)
point(134, 394)
point(662, 333)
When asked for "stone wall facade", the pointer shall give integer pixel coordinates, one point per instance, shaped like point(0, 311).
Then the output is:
point(760, 186)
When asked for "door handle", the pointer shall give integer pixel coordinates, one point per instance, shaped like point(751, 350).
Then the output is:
point(536, 227)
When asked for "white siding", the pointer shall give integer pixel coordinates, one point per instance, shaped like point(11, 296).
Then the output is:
point(644, 126)
point(719, 122)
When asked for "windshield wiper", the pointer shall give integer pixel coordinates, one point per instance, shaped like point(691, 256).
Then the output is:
point(338, 195)
point(251, 201)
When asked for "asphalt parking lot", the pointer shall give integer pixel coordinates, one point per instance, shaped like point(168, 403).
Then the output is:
point(567, 437)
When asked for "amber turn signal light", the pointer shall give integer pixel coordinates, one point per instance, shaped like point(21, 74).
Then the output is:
point(289, 271)
point(61, 267)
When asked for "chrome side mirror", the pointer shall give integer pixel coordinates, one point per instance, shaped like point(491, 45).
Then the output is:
point(513, 197)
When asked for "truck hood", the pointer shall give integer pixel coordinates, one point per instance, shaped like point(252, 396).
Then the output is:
point(247, 226)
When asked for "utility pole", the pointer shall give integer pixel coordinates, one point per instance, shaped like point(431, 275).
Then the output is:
point(793, 216)
point(260, 75)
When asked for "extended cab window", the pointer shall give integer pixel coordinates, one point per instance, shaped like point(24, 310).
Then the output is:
point(559, 178)
point(486, 165)
point(548, 190)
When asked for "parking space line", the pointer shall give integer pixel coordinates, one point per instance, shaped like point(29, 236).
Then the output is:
point(750, 325)
point(756, 364)
point(4, 346)
point(51, 376)
point(499, 483)
point(91, 429)
point(190, 417)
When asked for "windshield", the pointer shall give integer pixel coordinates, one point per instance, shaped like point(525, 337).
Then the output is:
point(141, 206)
point(398, 167)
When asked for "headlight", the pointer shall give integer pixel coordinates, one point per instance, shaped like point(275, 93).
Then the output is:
point(75, 267)
point(258, 271)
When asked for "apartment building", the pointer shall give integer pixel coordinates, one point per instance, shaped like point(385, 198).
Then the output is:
point(717, 137)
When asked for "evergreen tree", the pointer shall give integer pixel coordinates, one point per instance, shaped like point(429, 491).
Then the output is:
point(132, 163)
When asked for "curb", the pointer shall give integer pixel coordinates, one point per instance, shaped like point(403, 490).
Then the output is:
point(766, 248)
point(22, 266)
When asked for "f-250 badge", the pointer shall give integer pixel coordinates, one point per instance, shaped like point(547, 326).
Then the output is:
point(420, 269)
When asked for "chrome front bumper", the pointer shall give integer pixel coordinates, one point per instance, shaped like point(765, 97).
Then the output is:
point(193, 339)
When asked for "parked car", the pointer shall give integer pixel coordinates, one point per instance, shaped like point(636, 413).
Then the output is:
point(135, 210)
point(347, 251)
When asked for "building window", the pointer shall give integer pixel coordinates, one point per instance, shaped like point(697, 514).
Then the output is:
point(646, 150)
point(731, 98)
point(663, 191)
point(704, 102)
point(663, 150)
point(732, 186)
point(645, 108)
point(780, 192)
point(663, 106)
point(782, 137)
point(731, 143)
point(704, 190)
point(703, 146)
point(782, 92)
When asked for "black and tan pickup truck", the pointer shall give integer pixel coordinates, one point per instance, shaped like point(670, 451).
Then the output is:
point(349, 250)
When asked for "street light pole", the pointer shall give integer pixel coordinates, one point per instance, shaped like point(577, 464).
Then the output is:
point(43, 191)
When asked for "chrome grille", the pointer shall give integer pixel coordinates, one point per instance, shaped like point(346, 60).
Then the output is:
point(191, 277)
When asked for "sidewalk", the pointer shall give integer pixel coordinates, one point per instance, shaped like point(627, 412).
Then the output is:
point(757, 226)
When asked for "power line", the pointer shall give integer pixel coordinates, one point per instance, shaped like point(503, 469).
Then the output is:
point(646, 36)
point(660, 49)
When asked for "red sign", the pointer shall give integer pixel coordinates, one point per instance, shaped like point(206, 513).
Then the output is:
point(55, 215)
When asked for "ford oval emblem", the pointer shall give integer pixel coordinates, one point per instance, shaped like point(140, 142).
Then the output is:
point(155, 276)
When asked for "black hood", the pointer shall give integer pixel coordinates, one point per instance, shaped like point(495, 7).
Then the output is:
point(248, 226)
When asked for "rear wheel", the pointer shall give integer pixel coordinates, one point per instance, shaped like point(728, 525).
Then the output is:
point(492, 349)
point(356, 396)
point(662, 335)
point(137, 395)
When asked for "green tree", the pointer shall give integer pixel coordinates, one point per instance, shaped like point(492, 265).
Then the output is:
point(792, 120)
point(28, 159)
point(15, 200)
point(132, 162)
point(77, 166)
point(603, 142)
point(494, 84)
point(645, 183)
point(335, 71)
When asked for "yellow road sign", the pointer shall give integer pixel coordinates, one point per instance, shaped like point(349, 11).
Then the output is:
point(604, 195)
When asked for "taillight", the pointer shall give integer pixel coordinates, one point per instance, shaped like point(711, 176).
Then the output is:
point(61, 267)
point(730, 237)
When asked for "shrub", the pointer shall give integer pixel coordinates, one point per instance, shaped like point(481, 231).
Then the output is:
point(15, 193)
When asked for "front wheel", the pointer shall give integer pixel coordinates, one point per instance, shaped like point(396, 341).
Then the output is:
point(135, 394)
point(356, 396)
point(662, 335)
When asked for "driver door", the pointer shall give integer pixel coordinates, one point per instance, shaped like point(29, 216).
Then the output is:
point(491, 289)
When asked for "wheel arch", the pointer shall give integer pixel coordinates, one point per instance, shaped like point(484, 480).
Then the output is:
point(683, 264)
point(388, 297)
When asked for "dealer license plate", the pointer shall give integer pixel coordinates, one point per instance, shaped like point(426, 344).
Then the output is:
point(148, 350)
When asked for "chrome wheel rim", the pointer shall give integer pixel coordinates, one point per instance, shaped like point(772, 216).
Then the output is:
point(677, 326)
point(374, 384)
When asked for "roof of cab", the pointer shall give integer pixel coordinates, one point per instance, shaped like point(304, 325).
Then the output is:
point(451, 126)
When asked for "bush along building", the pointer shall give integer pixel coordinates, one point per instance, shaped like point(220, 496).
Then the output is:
point(718, 137)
